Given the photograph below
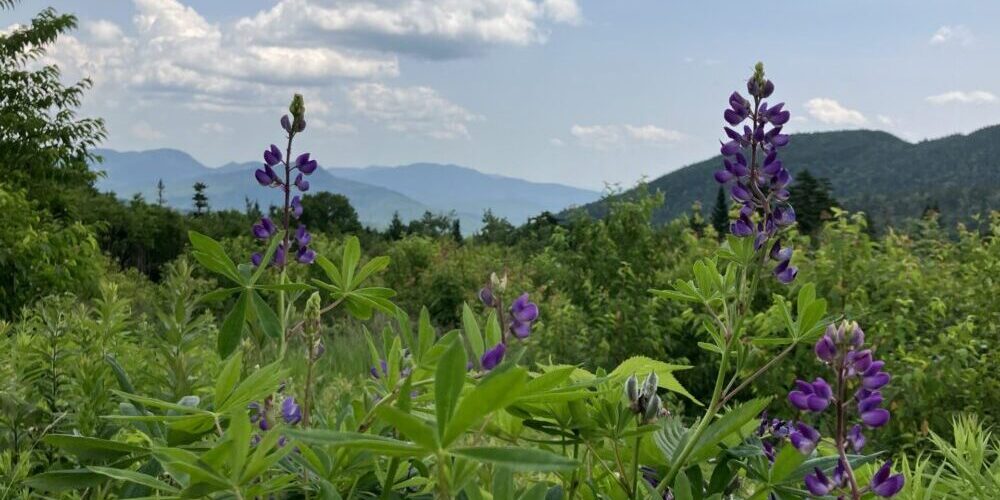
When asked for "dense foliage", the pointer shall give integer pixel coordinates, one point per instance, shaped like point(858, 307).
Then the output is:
point(264, 354)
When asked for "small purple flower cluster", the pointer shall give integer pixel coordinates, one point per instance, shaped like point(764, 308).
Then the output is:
point(772, 432)
point(842, 349)
point(523, 314)
point(290, 413)
point(268, 177)
point(751, 166)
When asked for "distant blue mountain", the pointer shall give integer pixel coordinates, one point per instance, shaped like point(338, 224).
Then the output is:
point(375, 192)
point(469, 191)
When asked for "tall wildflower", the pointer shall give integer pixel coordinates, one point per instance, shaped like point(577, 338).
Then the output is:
point(282, 179)
point(520, 318)
point(856, 393)
point(756, 178)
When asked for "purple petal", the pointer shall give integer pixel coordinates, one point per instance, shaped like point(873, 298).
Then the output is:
point(723, 176)
point(799, 400)
point(872, 382)
point(308, 167)
point(493, 357)
point(890, 486)
point(875, 418)
point(262, 177)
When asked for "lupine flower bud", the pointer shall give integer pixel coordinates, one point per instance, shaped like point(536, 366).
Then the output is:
point(813, 397)
point(804, 438)
point(298, 110)
point(632, 389)
point(652, 410)
point(523, 314)
point(874, 378)
point(492, 358)
point(650, 385)
point(256, 258)
point(290, 411)
point(296, 206)
point(272, 156)
point(884, 485)
point(856, 438)
point(826, 350)
point(301, 183)
point(486, 296)
point(286, 124)
point(818, 484)
point(499, 284)
point(305, 255)
point(264, 178)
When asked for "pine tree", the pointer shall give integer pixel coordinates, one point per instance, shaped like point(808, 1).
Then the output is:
point(456, 230)
point(396, 228)
point(720, 214)
point(200, 199)
point(811, 199)
point(159, 193)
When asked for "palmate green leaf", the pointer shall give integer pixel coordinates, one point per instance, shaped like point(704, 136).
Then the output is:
point(642, 365)
point(232, 327)
point(332, 272)
point(411, 427)
point(518, 459)
point(472, 332)
point(369, 442)
point(219, 295)
point(268, 320)
point(134, 477)
point(448, 382)
point(65, 480)
point(89, 448)
point(787, 461)
point(496, 391)
point(184, 461)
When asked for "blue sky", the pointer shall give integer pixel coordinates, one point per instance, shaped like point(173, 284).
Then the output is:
point(572, 91)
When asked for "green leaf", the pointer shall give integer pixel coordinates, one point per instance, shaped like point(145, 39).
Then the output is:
point(352, 255)
point(727, 425)
point(134, 477)
point(89, 448)
point(256, 386)
point(472, 333)
point(219, 295)
point(239, 433)
point(232, 328)
point(355, 440)
point(211, 255)
point(268, 320)
point(494, 392)
point(518, 459)
point(493, 331)
point(503, 483)
point(682, 487)
point(448, 382)
point(425, 332)
point(284, 287)
point(410, 426)
point(228, 378)
point(785, 463)
point(332, 272)
point(268, 256)
point(64, 480)
point(376, 265)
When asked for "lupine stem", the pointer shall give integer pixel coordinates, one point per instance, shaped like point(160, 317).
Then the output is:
point(390, 479)
point(635, 467)
point(842, 427)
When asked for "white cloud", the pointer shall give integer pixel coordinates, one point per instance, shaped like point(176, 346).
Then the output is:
point(557, 142)
point(606, 137)
point(832, 112)
point(960, 97)
point(599, 137)
point(885, 120)
point(144, 131)
point(952, 34)
point(425, 28)
point(653, 134)
point(214, 128)
point(336, 128)
point(417, 110)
